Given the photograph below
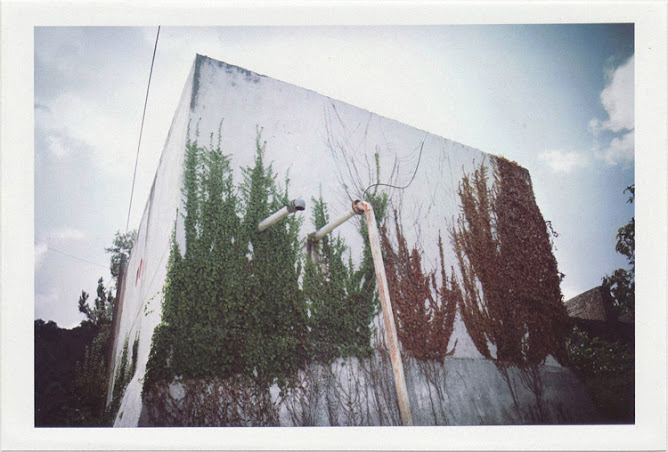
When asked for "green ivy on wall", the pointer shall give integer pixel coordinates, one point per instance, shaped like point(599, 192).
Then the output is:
point(342, 304)
point(233, 302)
point(123, 374)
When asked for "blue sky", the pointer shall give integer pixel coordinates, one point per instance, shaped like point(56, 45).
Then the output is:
point(558, 99)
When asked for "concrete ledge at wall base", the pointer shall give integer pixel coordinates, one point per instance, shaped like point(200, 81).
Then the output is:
point(352, 392)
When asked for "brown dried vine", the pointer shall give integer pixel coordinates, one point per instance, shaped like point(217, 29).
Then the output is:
point(209, 402)
point(424, 311)
point(510, 280)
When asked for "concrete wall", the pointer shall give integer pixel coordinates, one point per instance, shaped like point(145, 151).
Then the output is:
point(459, 391)
point(327, 147)
point(141, 298)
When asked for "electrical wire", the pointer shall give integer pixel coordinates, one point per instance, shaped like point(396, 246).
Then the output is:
point(409, 182)
point(73, 257)
point(141, 129)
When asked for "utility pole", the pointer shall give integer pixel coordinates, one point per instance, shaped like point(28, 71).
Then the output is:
point(359, 208)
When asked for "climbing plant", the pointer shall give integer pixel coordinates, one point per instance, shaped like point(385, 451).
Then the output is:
point(121, 379)
point(342, 296)
point(511, 297)
point(232, 303)
point(362, 283)
point(424, 310)
point(510, 281)
point(274, 303)
point(340, 310)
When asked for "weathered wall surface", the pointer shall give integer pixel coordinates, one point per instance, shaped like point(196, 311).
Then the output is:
point(141, 300)
point(459, 391)
point(327, 147)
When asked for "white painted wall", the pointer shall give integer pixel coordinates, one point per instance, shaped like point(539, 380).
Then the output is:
point(141, 303)
point(301, 128)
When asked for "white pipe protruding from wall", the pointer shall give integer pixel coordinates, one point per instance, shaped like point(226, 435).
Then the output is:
point(292, 207)
point(326, 229)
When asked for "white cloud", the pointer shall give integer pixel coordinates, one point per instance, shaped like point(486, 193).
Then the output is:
point(67, 234)
point(40, 254)
point(49, 306)
point(564, 161)
point(58, 147)
point(56, 236)
point(617, 98)
point(620, 151)
point(595, 126)
point(86, 128)
point(61, 144)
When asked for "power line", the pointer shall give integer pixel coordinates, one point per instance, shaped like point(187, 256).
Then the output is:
point(74, 257)
point(141, 129)
point(409, 182)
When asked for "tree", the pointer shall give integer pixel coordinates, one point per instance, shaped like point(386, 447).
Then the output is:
point(57, 350)
point(621, 283)
point(120, 252)
point(103, 308)
point(90, 380)
point(91, 372)
point(71, 366)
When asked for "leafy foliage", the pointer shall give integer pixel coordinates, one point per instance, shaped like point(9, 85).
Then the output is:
point(275, 306)
point(341, 310)
point(424, 310)
point(77, 381)
point(90, 382)
point(232, 302)
point(120, 252)
point(81, 394)
point(621, 283)
point(122, 377)
point(233, 305)
point(103, 308)
point(607, 369)
point(510, 280)
point(125, 371)
point(57, 350)
point(595, 356)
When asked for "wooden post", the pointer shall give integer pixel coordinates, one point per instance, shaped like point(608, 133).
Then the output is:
point(388, 316)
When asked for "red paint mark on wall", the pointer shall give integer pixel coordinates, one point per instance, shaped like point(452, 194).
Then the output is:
point(141, 263)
